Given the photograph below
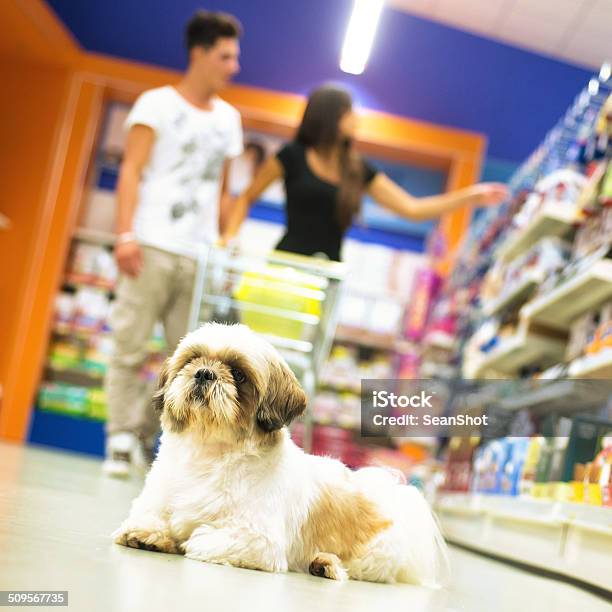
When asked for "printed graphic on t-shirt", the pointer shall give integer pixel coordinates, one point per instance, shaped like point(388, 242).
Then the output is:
point(200, 160)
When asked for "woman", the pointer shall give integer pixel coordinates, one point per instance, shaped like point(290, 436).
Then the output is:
point(325, 179)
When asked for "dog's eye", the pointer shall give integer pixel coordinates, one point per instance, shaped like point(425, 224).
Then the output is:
point(238, 375)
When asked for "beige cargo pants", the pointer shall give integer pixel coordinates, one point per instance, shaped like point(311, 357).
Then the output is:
point(161, 292)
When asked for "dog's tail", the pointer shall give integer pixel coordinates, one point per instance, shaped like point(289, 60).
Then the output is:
point(426, 554)
point(414, 541)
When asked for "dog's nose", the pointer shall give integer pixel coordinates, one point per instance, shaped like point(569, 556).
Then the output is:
point(205, 375)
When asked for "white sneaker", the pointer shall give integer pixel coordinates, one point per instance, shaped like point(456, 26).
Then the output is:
point(124, 456)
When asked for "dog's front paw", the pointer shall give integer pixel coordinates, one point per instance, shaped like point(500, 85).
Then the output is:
point(329, 566)
point(154, 538)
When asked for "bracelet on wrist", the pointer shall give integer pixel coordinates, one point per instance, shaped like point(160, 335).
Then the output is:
point(125, 237)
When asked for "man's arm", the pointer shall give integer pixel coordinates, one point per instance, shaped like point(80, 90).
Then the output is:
point(226, 200)
point(139, 145)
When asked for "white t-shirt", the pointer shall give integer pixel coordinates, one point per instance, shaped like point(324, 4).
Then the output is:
point(178, 203)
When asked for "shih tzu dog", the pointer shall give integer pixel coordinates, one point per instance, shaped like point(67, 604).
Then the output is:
point(229, 486)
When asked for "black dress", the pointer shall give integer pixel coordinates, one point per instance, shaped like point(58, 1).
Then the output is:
point(312, 220)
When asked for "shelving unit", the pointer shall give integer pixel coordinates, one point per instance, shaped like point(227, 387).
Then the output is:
point(516, 295)
point(586, 290)
point(553, 219)
point(440, 340)
point(558, 396)
point(573, 540)
point(597, 366)
point(521, 349)
point(94, 236)
point(364, 337)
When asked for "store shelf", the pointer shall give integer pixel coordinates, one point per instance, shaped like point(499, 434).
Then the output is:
point(431, 369)
point(94, 236)
point(517, 295)
point(573, 540)
point(354, 388)
point(586, 290)
point(72, 377)
point(440, 340)
point(554, 219)
point(522, 349)
point(560, 396)
point(364, 337)
point(598, 366)
point(80, 281)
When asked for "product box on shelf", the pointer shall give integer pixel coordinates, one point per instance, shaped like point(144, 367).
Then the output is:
point(459, 464)
point(92, 265)
point(72, 400)
point(426, 285)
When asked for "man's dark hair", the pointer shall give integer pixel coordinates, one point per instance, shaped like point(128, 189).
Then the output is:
point(206, 27)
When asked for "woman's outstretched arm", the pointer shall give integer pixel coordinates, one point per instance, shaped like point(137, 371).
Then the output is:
point(391, 196)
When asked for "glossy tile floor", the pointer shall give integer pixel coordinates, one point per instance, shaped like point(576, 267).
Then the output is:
point(57, 510)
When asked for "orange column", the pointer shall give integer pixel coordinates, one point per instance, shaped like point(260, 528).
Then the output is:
point(42, 232)
point(464, 171)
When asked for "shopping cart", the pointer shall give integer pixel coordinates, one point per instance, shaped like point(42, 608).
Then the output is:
point(290, 300)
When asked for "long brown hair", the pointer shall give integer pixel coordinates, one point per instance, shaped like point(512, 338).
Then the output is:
point(319, 129)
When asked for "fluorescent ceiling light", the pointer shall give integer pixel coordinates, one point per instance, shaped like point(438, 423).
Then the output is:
point(360, 35)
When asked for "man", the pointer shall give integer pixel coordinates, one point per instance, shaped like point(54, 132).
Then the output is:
point(171, 193)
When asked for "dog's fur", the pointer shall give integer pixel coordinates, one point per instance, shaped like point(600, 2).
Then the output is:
point(229, 486)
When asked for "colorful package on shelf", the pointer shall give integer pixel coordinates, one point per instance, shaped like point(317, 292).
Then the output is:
point(97, 355)
point(409, 366)
point(551, 468)
point(92, 264)
point(340, 368)
point(458, 467)
point(64, 355)
point(96, 404)
point(561, 188)
point(594, 230)
point(489, 466)
point(332, 441)
point(513, 469)
point(595, 336)
point(605, 195)
point(589, 201)
point(389, 458)
point(81, 266)
point(425, 288)
point(106, 269)
point(91, 310)
point(577, 484)
point(601, 474)
point(585, 441)
point(530, 464)
point(64, 309)
point(325, 407)
point(581, 332)
point(59, 397)
point(592, 487)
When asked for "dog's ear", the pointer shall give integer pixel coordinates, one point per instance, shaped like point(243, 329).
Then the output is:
point(283, 401)
point(158, 396)
point(174, 419)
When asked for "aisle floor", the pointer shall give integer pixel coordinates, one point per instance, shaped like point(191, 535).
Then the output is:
point(57, 510)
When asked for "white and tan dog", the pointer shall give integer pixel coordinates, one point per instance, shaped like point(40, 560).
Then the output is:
point(229, 486)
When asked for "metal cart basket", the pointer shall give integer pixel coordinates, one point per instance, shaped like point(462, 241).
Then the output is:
point(290, 300)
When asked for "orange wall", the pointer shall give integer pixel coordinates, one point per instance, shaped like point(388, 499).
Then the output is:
point(30, 105)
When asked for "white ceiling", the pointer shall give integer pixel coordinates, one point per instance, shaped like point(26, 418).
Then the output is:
point(577, 31)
